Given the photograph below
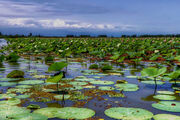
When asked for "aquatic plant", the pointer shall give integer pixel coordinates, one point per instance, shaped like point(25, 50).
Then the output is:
point(106, 67)
point(93, 66)
point(12, 57)
point(16, 74)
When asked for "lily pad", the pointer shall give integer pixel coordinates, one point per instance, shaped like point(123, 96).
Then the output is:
point(166, 117)
point(17, 90)
point(7, 84)
point(9, 79)
point(128, 113)
point(33, 106)
point(127, 87)
point(60, 97)
point(11, 101)
point(167, 106)
point(100, 82)
point(7, 111)
point(164, 97)
point(166, 92)
point(66, 112)
point(108, 88)
point(31, 82)
point(152, 82)
point(23, 96)
point(77, 83)
point(23, 86)
point(28, 116)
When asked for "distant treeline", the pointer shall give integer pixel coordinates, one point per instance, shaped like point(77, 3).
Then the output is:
point(89, 36)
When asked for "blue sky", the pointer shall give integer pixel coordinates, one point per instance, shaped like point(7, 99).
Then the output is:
point(111, 17)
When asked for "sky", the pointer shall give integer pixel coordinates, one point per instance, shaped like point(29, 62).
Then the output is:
point(89, 17)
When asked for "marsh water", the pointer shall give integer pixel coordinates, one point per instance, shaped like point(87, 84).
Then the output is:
point(142, 98)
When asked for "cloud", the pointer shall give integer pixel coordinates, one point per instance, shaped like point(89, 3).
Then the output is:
point(53, 23)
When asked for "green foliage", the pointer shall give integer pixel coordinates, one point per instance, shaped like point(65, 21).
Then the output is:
point(49, 58)
point(106, 67)
point(177, 58)
point(121, 59)
point(2, 58)
point(93, 66)
point(174, 74)
point(153, 72)
point(57, 66)
point(55, 79)
point(16, 74)
point(12, 57)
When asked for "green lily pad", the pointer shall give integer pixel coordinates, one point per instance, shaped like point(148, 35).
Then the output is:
point(60, 97)
point(11, 101)
point(131, 76)
point(106, 88)
point(166, 92)
point(77, 83)
point(100, 82)
point(166, 117)
point(7, 84)
point(127, 87)
point(75, 113)
point(17, 90)
point(4, 96)
point(167, 106)
point(23, 96)
point(9, 79)
point(48, 90)
point(85, 79)
point(7, 111)
point(33, 106)
point(31, 82)
point(152, 82)
point(128, 113)
point(89, 86)
point(28, 116)
point(66, 113)
point(23, 86)
point(164, 97)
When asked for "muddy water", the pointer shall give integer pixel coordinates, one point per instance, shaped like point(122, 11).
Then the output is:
point(141, 98)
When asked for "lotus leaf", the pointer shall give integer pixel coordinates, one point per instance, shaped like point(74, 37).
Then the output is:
point(167, 106)
point(166, 117)
point(31, 82)
point(106, 88)
point(28, 116)
point(128, 113)
point(100, 82)
point(127, 87)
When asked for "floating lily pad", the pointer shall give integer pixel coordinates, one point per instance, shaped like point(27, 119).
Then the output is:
point(9, 79)
point(166, 92)
point(166, 117)
point(100, 82)
point(23, 96)
point(127, 87)
point(167, 106)
point(7, 111)
point(75, 113)
point(4, 96)
point(48, 90)
point(77, 83)
point(11, 101)
point(18, 90)
point(116, 95)
point(33, 106)
point(85, 79)
point(131, 76)
point(89, 86)
point(106, 88)
point(31, 82)
point(164, 97)
point(7, 84)
point(28, 116)
point(60, 97)
point(152, 82)
point(23, 86)
point(128, 113)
